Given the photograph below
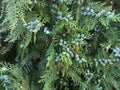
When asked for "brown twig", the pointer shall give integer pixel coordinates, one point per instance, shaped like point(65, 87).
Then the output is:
point(42, 55)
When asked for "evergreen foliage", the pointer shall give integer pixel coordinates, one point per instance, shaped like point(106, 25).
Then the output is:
point(60, 45)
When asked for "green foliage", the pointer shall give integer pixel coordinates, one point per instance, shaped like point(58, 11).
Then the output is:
point(60, 45)
point(13, 78)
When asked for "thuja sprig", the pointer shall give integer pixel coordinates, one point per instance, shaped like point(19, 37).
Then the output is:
point(87, 11)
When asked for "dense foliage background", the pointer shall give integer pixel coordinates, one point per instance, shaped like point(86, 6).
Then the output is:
point(60, 44)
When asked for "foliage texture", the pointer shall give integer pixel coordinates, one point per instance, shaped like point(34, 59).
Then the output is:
point(60, 45)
